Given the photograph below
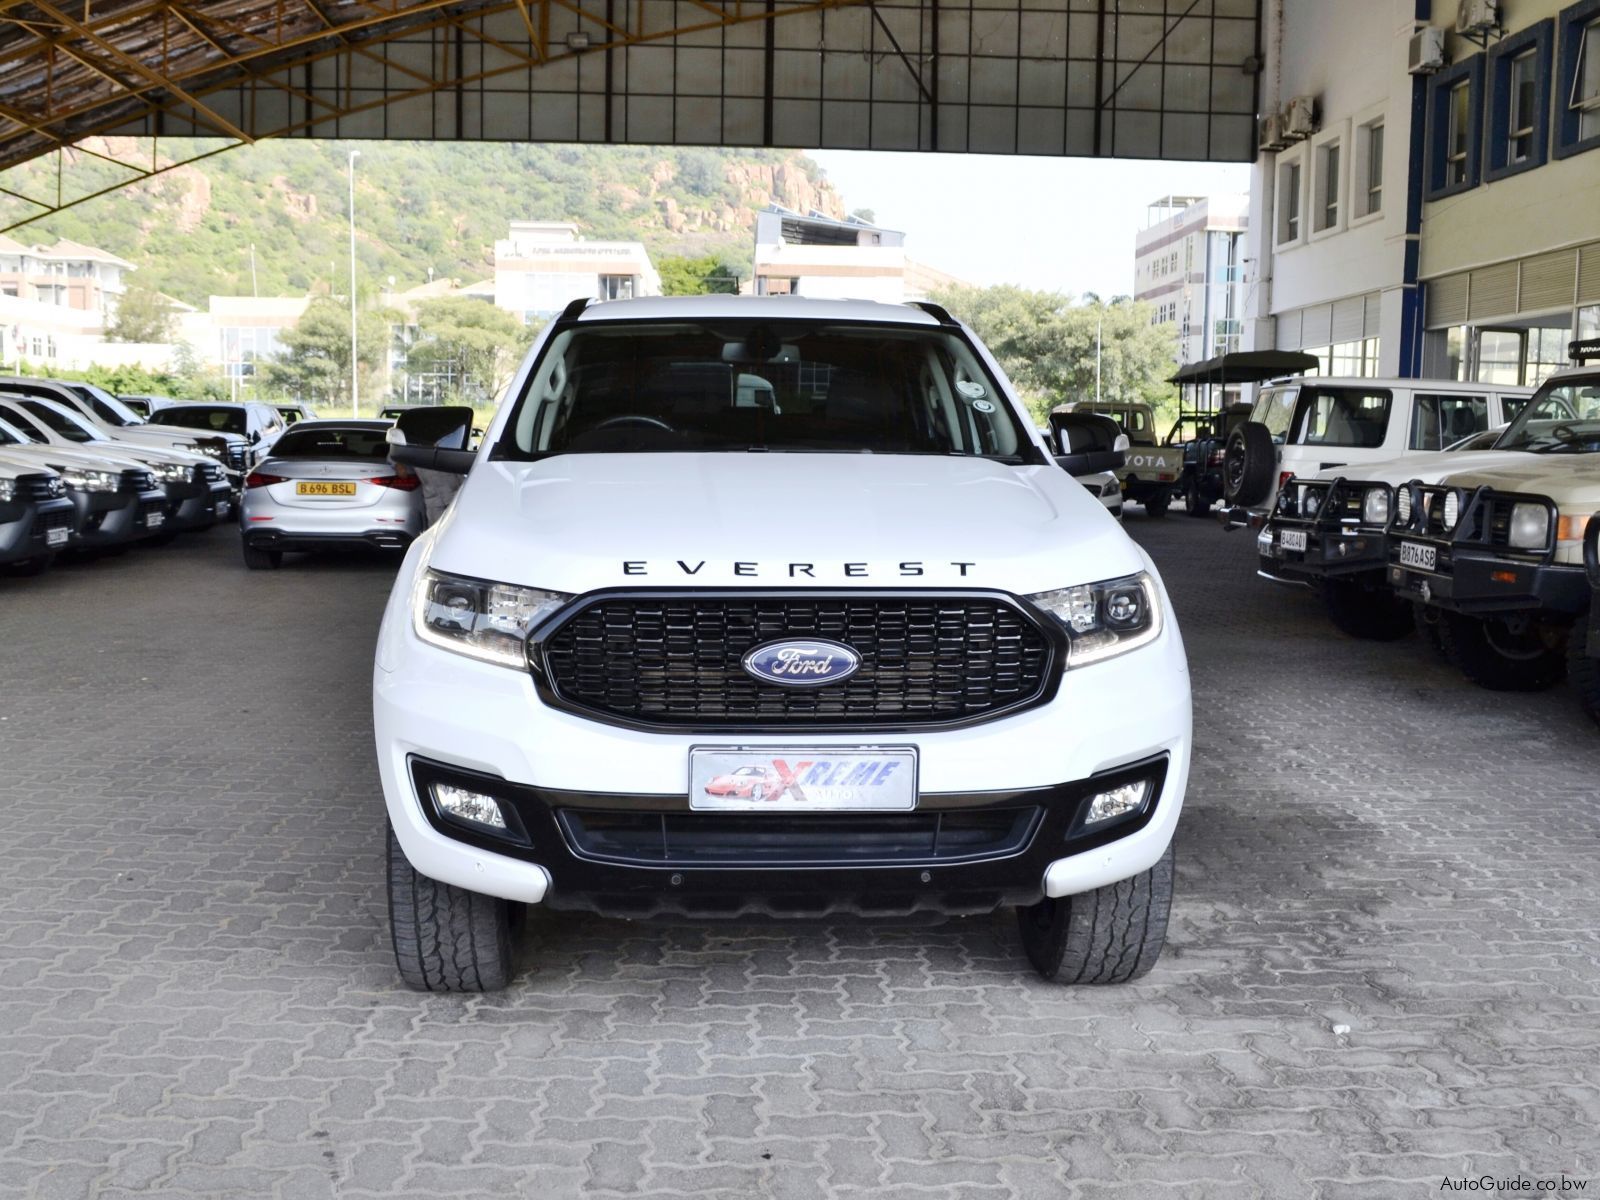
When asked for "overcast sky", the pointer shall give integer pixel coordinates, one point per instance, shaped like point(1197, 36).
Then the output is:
point(1062, 224)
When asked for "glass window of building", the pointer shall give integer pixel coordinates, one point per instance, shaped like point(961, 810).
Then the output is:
point(1289, 202)
point(1328, 186)
point(1524, 89)
point(1585, 99)
point(1369, 148)
point(1457, 134)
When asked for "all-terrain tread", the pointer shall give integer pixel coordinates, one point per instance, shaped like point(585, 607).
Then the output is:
point(446, 938)
point(1583, 669)
point(1111, 935)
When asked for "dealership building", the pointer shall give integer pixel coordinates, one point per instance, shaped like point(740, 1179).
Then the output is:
point(1188, 266)
point(542, 266)
point(1427, 196)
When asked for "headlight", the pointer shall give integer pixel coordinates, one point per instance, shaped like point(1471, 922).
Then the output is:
point(1402, 506)
point(8, 489)
point(170, 472)
point(1104, 620)
point(83, 480)
point(212, 450)
point(1452, 510)
point(1530, 526)
point(1375, 506)
point(1310, 501)
point(483, 620)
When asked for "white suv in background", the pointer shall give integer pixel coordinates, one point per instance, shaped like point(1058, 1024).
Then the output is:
point(848, 642)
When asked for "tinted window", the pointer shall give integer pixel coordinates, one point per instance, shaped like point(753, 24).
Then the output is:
point(614, 387)
point(1440, 421)
point(1355, 417)
point(216, 420)
point(332, 443)
point(58, 422)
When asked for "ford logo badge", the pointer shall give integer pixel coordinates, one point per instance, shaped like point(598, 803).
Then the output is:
point(802, 662)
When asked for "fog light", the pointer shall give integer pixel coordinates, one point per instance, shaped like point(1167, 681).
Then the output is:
point(1118, 802)
point(1264, 543)
point(468, 806)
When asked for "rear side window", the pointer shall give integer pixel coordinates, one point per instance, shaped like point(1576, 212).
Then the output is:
point(1275, 409)
point(1440, 421)
point(221, 420)
point(370, 444)
point(1354, 417)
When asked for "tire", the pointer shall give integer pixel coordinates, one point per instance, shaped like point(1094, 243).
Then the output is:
point(262, 560)
point(446, 939)
point(1372, 614)
point(1501, 658)
point(1248, 463)
point(1193, 504)
point(1110, 935)
point(1583, 670)
point(1157, 505)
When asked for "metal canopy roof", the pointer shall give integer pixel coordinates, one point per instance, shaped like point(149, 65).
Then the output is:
point(1106, 78)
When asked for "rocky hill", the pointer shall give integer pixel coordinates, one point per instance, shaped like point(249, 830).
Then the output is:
point(419, 206)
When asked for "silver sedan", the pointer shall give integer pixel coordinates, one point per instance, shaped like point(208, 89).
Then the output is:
point(328, 485)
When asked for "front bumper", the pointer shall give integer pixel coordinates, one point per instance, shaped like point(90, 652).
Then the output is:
point(1477, 583)
point(460, 714)
point(197, 504)
point(28, 528)
point(1332, 554)
point(116, 518)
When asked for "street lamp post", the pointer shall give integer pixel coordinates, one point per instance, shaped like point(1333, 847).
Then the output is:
point(355, 366)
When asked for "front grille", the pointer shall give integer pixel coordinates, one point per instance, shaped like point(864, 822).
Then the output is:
point(676, 660)
point(208, 472)
point(135, 480)
point(236, 456)
point(771, 839)
point(40, 487)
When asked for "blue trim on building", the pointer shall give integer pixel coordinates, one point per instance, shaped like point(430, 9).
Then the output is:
point(1412, 293)
point(1440, 87)
point(1571, 23)
point(1539, 38)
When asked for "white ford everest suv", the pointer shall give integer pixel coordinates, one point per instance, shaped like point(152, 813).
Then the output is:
point(850, 642)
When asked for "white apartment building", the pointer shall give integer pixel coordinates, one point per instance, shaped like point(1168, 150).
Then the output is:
point(1188, 265)
point(1431, 205)
point(55, 301)
point(819, 256)
point(542, 266)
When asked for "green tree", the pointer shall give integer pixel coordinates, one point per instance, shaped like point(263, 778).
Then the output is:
point(143, 315)
point(471, 342)
point(703, 276)
point(315, 362)
point(1047, 344)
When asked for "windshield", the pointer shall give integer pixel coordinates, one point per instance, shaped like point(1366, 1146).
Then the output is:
point(333, 443)
point(790, 386)
point(1562, 418)
point(58, 420)
point(217, 420)
point(106, 406)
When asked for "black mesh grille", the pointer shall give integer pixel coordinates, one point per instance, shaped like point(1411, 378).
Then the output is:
point(725, 839)
point(676, 660)
point(134, 480)
point(236, 455)
point(207, 472)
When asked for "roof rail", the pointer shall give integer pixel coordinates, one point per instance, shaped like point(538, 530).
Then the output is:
point(572, 311)
point(1584, 352)
point(937, 311)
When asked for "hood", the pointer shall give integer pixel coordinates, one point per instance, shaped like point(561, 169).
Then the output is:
point(1565, 478)
point(178, 445)
point(13, 465)
point(98, 456)
point(1428, 467)
point(578, 522)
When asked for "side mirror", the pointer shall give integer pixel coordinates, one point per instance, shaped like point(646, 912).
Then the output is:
point(255, 436)
point(1087, 443)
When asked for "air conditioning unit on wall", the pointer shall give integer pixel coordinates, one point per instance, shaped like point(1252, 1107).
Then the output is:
point(1427, 51)
point(1271, 134)
point(1478, 18)
point(1300, 118)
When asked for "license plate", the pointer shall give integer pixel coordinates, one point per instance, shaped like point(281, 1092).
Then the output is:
point(1293, 539)
point(153, 520)
point(324, 489)
point(57, 536)
point(803, 779)
point(1424, 558)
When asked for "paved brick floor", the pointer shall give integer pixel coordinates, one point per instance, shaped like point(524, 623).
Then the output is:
point(1384, 967)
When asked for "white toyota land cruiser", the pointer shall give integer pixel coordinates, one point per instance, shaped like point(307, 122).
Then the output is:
point(846, 643)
